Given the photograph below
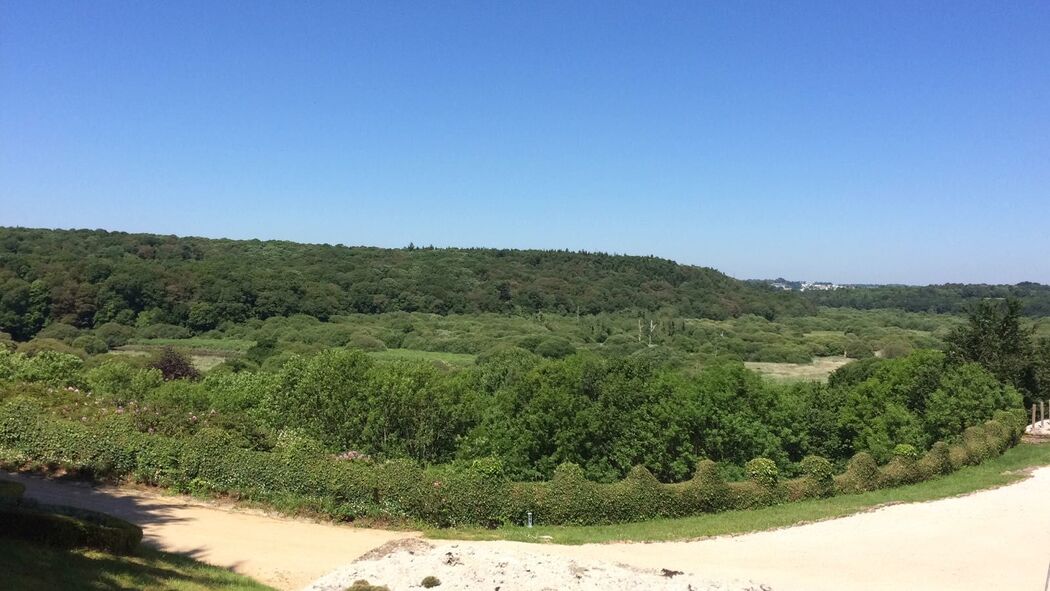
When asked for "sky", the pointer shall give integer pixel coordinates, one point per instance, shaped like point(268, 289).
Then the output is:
point(860, 142)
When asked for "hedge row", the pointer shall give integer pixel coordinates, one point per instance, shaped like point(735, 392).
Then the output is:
point(478, 494)
point(66, 527)
point(11, 492)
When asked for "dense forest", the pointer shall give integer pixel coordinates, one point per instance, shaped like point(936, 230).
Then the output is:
point(949, 298)
point(87, 278)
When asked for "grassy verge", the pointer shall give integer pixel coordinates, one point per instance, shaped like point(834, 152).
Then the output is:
point(32, 567)
point(995, 472)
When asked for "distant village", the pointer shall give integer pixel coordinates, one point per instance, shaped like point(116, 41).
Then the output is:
point(786, 285)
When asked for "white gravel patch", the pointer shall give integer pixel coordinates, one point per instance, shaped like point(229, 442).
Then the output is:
point(402, 565)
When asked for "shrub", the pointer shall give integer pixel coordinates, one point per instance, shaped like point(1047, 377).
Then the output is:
point(569, 498)
point(51, 367)
point(821, 474)
point(901, 469)
point(958, 456)
point(366, 342)
point(862, 474)
point(706, 492)
point(639, 496)
point(299, 474)
point(363, 585)
point(976, 443)
point(174, 365)
point(764, 472)
point(66, 527)
point(114, 335)
point(936, 461)
point(476, 494)
point(91, 344)
point(430, 582)
point(906, 451)
point(11, 492)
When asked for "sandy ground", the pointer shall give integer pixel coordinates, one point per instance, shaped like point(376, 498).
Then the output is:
point(489, 566)
point(281, 552)
point(997, 539)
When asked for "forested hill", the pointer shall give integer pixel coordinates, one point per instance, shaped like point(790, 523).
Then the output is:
point(89, 277)
point(948, 298)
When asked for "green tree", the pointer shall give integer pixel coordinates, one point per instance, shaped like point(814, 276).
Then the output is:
point(995, 338)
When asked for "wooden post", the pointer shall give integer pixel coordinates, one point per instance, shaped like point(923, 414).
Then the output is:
point(1033, 416)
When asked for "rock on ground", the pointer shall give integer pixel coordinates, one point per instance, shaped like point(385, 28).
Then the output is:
point(402, 566)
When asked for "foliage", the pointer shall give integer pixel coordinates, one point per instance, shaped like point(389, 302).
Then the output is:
point(995, 338)
point(66, 527)
point(363, 585)
point(174, 365)
point(86, 278)
point(476, 494)
point(34, 567)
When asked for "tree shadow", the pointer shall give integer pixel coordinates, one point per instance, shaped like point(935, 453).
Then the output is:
point(35, 567)
point(84, 495)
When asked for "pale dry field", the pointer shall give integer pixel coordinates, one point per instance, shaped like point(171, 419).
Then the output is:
point(817, 370)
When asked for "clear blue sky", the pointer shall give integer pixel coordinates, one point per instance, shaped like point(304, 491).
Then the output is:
point(847, 141)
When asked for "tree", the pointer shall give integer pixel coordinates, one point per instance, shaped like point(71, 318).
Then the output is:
point(995, 338)
point(174, 365)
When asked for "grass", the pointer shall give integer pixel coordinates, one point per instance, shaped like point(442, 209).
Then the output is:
point(196, 343)
point(995, 472)
point(32, 567)
point(819, 369)
point(456, 359)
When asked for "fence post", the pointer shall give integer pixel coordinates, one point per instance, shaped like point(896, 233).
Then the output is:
point(1033, 416)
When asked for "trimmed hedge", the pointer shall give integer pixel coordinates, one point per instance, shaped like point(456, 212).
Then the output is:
point(11, 492)
point(66, 527)
point(475, 494)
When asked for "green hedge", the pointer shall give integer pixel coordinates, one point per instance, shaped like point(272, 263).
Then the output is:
point(11, 492)
point(474, 494)
point(66, 527)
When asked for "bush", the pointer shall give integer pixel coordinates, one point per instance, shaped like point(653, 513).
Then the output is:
point(174, 365)
point(430, 582)
point(706, 492)
point(300, 474)
point(936, 461)
point(764, 472)
point(569, 498)
point(366, 342)
point(862, 474)
point(820, 473)
point(91, 344)
point(363, 585)
point(66, 527)
point(11, 492)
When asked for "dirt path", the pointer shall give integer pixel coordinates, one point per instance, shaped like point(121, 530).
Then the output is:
point(281, 552)
point(997, 539)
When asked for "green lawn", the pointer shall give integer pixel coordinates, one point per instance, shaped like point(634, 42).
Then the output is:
point(457, 359)
point(995, 472)
point(31, 567)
